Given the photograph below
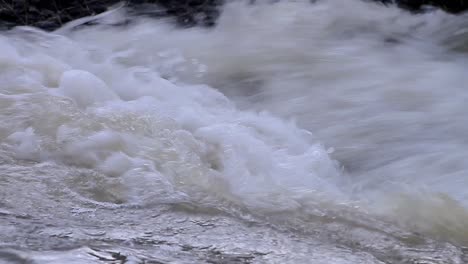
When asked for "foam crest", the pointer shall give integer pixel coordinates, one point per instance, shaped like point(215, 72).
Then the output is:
point(245, 112)
point(159, 137)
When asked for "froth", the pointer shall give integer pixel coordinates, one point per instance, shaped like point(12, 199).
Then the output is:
point(125, 121)
point(241, 112)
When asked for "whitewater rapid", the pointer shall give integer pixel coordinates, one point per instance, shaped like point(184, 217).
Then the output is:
point(337, 128)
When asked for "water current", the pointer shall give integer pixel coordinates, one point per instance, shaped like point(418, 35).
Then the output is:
point(291, 132)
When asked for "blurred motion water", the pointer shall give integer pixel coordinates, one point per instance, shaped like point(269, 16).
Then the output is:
point(291, 132)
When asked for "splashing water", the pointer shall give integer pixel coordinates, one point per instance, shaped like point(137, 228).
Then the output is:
point(291, 132)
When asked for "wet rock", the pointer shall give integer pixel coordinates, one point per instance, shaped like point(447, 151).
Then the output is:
point(51, 14)
point(452, 6)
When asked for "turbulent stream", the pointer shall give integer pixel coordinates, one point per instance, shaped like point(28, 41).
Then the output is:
point(291, 132)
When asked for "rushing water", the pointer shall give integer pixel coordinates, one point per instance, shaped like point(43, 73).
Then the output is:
point(333, 132)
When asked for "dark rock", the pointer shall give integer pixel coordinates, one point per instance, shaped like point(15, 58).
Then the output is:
point(51, 14)
point(452, 6)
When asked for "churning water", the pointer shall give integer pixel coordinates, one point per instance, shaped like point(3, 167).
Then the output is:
point(333, 132)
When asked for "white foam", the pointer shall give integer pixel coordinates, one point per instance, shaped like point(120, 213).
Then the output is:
point(160, 138)
point(377, 84)
point(26, 144)
point(85, 88)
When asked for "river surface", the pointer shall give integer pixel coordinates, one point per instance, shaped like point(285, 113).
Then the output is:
point(325, 133)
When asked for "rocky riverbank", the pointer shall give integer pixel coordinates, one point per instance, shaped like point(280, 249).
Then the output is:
point(51, 14)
